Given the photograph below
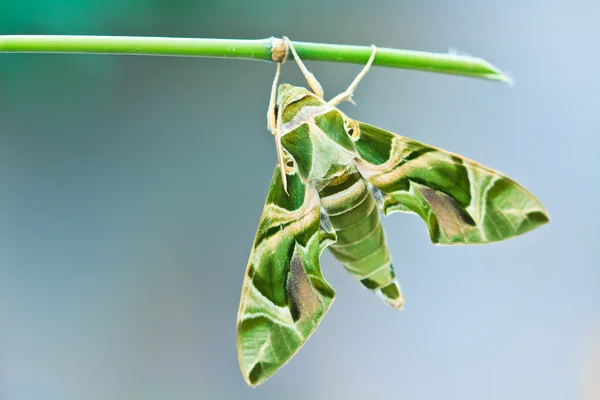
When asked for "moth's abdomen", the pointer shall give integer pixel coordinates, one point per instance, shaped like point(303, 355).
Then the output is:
point(361, 246)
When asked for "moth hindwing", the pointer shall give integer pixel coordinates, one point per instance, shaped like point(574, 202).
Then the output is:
point(333, 176)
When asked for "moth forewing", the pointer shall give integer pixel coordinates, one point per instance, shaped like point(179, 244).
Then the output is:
point(460, 200)
point(284, 295)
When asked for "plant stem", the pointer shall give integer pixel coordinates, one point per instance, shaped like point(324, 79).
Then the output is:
point(269, 49)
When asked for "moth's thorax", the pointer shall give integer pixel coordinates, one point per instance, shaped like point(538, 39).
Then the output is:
point(317, 138)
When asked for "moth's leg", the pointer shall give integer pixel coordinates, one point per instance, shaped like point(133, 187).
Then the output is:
point(347, 95)
point(314, 84)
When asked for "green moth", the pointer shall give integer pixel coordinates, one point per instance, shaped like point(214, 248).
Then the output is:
point(333, 176)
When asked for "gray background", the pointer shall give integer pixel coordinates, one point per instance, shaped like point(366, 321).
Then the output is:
point(131, 188)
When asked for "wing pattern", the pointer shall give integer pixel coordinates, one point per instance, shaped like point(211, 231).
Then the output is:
point(284, 295)
point(460, 200)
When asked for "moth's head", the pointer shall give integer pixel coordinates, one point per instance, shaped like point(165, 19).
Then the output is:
point(317, 139)
point(292, 99)
point(287, 94)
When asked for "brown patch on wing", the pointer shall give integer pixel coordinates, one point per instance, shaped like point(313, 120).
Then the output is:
point(303, 295)
point(452, 219)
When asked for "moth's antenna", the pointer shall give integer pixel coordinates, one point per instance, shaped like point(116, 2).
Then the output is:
point(274, 125)
point(271, 117)
point(278, 145)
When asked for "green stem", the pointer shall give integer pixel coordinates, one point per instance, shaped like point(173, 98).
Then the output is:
point(269, 49)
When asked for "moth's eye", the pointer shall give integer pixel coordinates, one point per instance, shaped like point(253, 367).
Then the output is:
point(290, 167)
point(352, 130)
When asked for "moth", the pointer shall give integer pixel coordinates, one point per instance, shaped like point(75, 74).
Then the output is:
point(333, 176)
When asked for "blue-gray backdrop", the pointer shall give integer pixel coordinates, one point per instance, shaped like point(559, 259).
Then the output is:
point(131, 187)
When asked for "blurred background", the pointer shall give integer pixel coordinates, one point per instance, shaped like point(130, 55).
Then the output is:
point(131, 188)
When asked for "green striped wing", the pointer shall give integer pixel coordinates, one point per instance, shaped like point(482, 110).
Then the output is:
point(460, 200)
point(284, 295)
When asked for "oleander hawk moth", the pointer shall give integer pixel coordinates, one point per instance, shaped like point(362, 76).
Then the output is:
point(333, 177)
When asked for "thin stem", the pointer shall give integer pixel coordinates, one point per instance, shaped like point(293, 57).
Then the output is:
point(269, 49)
